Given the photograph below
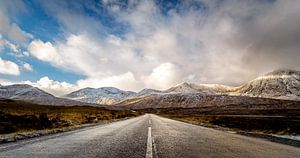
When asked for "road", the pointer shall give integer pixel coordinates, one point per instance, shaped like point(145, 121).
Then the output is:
point(148, 136)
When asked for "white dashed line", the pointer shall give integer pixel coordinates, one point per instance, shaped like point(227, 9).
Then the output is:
point(149, 144)
point(150, 122)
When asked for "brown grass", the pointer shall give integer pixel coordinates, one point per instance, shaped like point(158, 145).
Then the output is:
point(278, 120)
point(19, 116)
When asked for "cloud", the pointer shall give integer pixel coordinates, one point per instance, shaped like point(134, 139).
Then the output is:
point(124, 81)
point(12, 36)
point(9, 67)
point(226, 42)
point(163, 76)
point(27, 67)
point(5, 43)
point(54, 87)
point(44, 51)
point(10, 29)
point(12, 46)
point(79, 54)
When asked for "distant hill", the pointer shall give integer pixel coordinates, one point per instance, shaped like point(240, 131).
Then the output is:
point(32, 94)
point(104, 95)
point(198, 88)
point(199, 100)
point(147, 92)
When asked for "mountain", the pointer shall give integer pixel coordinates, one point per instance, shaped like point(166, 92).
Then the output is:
point(104, 95)
point(32, 94)
point(198, 88)
point(279, 84)
point(200, 100)
point(147, 92)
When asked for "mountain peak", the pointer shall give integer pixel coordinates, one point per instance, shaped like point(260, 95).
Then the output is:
point(148, 91)
point(20, 86)
point(280, 84)
point(102, 95)
point(183, 84)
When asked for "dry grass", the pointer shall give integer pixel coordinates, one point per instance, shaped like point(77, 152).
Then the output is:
point(19, 116)
point(274, 125)
point(277, 119)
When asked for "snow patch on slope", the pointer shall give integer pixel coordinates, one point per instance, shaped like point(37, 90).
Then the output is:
point(104, 95)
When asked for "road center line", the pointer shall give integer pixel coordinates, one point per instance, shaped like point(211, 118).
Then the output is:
point(150, 122)
point(149, 144)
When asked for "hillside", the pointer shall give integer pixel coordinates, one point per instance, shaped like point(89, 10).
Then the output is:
point(34, 95)
point(104, 95)
point(198, 100)
point(280, 84)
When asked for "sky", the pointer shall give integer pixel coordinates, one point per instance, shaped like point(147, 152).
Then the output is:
point(61, 45)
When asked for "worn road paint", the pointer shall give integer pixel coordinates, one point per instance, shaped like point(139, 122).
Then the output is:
point(149, 144)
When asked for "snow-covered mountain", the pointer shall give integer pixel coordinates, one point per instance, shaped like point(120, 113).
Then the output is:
point(32, 94)
point(200, 100)
point(198, 88)
point(279, 84)
point(148, 91)
point(104, 95)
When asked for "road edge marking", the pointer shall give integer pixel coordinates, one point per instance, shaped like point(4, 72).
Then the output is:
point(149, 145)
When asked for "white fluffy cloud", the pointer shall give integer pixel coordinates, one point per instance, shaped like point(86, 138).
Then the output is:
point(124, 81)
point(9, 67)
point(44, 51)
point(54, 87)
point(165, 75)
point(27, 67)
point(226, 42)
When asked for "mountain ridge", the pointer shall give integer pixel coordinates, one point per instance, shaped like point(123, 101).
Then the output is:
point(103, 95)
point(278, 84)
point(32, 94)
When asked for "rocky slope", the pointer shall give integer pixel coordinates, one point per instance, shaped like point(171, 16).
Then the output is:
point(32, 94)
point(147, 92)
point(280, 84)
point(198, 88)
point(197, 100)
point(104, 95)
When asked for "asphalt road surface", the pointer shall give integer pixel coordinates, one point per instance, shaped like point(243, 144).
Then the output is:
point(147, 136)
